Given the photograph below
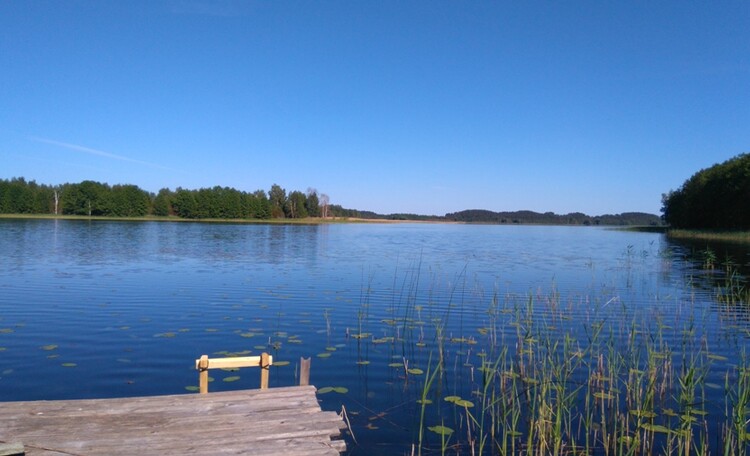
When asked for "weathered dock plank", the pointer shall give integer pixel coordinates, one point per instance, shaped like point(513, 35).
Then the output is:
point(259, 422)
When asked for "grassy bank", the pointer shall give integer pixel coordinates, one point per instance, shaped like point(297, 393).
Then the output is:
point(731, 236)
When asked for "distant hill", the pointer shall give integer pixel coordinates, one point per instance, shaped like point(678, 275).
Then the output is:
point(517, 217)
point(550, 218)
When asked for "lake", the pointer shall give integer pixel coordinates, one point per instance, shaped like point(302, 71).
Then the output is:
point(500, 338)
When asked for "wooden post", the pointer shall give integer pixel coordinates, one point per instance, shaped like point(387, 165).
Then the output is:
point(264, 366)
point(203, 375)
point(304, 371)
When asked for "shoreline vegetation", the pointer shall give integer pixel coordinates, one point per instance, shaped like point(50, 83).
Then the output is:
point(707, 235)
point(96, 200)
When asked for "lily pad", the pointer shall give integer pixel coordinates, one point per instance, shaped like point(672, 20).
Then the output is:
point(441, 430)
point(48, 347)
point(415, 371)
point(335, 389)
point(280, 363)
point(192, 388)
point(69, 364)
point(233, 378)
point(324, 355)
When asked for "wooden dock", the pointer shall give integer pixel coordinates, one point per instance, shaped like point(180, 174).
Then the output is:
point(276, 421)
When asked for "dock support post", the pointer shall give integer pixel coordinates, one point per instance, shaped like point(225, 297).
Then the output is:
point(203, 374)
point(304, 371)
point(264, 366)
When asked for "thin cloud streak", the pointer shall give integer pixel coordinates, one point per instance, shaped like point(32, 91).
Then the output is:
point(99, 153)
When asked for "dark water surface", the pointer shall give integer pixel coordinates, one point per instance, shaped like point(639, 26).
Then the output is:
point(111, 309)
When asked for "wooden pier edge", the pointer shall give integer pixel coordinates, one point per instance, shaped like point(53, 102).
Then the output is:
point(283, 421)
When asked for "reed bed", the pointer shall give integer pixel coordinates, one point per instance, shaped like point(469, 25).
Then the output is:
point(541, 380)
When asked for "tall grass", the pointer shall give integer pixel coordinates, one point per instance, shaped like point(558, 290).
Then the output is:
point(620, 384)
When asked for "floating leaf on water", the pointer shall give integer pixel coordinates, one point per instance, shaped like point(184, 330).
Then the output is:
point(363, 363)
point(6, 330)
point(361, 335)
point(643, 413)
point(415, 371)
point(383, 340)
point(247, 335)
point(603, 395)
point(53, 356)
point(233, 378)
point(183, 330)
point(260, 347)
point(166, 334)
point(656, 428)
point(464, 403)
point(441, 430)
point(2, 349)
point(280, 363)
point(396, 365)
point(421, 344)
point(340, 390)
point(294, 341)
point(49, 347)
point(452, 398)
point(331, 349)
point(325, 390)
point(324, 355)
point(425, 402)
point(192, 388)
point(68, 364)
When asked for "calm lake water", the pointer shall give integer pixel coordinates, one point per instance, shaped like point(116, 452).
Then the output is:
point(113, 309)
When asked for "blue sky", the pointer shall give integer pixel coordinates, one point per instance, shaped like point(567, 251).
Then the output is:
point(391, 106)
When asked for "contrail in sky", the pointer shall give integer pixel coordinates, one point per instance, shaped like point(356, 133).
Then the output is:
point(100, 153)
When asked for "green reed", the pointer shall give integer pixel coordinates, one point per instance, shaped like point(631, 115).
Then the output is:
point(620, 390)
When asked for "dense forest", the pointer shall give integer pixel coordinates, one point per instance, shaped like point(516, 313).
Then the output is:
point(716, 198)
point(92, 199)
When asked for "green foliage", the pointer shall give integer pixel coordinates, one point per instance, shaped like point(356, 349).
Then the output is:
point(17, 196)
point(162, 205)
point(713, 198)
point(91, 199)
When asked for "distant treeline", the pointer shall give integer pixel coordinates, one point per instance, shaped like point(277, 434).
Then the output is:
point(550, 218)
point(716, 198)
point(90, 198)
